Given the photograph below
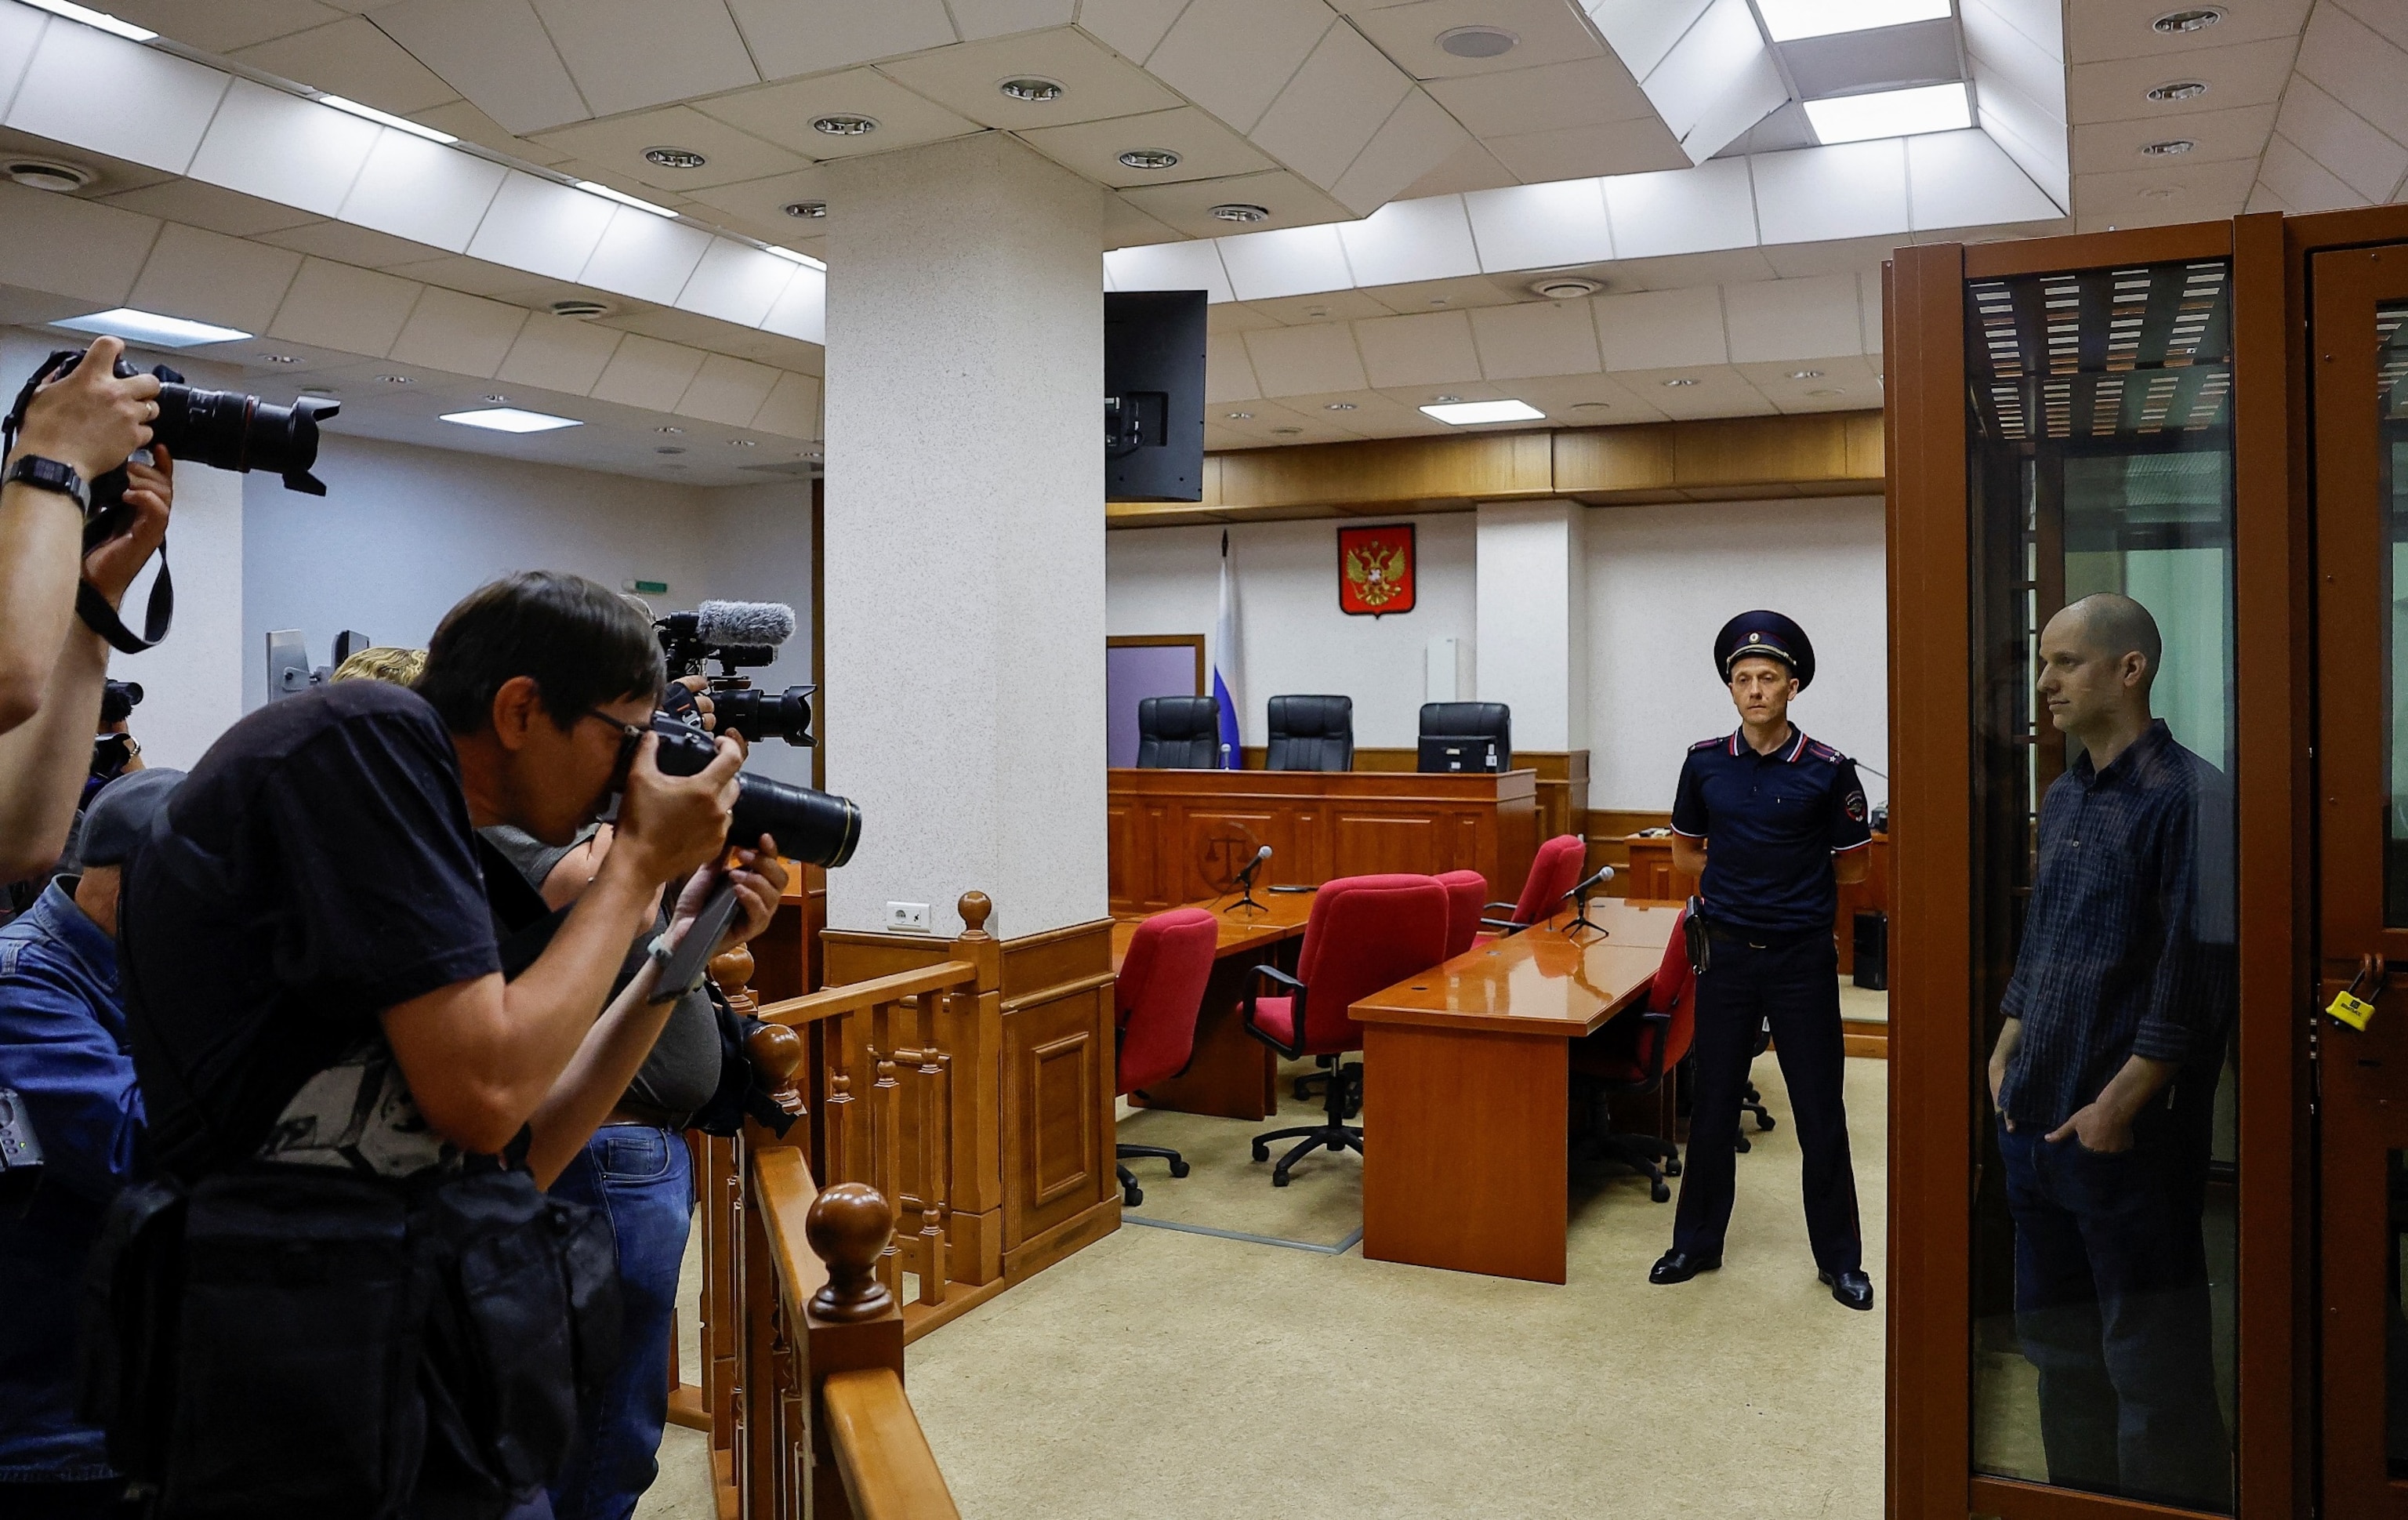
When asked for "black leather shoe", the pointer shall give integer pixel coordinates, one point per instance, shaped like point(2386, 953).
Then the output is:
point(1852, 1289)
point(1680, 1266)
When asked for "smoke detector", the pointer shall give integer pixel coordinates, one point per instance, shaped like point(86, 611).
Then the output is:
point(46, 174)
point(1565, 287)
point(581, 311)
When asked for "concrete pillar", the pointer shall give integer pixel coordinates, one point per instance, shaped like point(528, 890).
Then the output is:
point(965, 535)
point(1532, 620)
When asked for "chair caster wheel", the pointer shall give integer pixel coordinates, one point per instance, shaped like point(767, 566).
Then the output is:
point(1132, 1196)
point(1660, 1193)
point(1279, 1179)
point(1262, 1153)
point(1741, 1146)
point(1672, 1167)
point(1179, 1169)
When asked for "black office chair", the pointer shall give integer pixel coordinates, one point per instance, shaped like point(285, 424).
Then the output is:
point(1312, 732)
point(1467, 736)
point(1179, 733)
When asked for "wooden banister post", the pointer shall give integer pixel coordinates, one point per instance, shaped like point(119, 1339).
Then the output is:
point(851, 1322)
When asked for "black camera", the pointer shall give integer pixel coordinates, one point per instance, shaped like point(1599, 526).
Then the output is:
point(118, 700)
point(739, 636)
point(817, 827)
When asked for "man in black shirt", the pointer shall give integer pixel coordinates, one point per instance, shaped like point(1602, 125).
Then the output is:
point(2104, 1076)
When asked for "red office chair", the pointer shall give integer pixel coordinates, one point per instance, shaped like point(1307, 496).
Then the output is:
point(1365, 933)
point(1466, 894)
point(1554, 870)
point(1632, 1056)
point(1155, 1000)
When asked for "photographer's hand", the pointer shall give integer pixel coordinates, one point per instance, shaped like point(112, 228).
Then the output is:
point(90, 418)
point(150, 491)
point(672, 826)
point(760, 879)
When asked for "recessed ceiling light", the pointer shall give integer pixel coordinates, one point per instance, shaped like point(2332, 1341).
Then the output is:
point(1828, 389)
point(2179, 89)
point(844, 124)
point(1477, 41)
point(279, 358)
point(397, 380)
point(1240, 212)
point(496, 400)
point(1789, 19)
point(510, 420)
point(47, 174)
point(579, 310)
point(93, 18)
point(150, 327)
point(1565, 287)
point(1238, 416)
point(590, 188)
point(1890, 114)
point(1444, 400)
point(807, 210)
point(1805, 374)
point(791, 257)
point(399, 124)
point(1287, 432)
point(2168, 147)
point(1464, 413)
point(670, 449)
point(675, 157)
point(1438, 300)
point(2175, 23)
point(1316, 311)
point(1034, 89)
point(1678, 381)
point(741, 443)
point(1149, 158)
point(1338, 406)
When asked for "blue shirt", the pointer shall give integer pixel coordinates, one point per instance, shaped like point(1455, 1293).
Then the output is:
point(2128, 939)
point(1774, 822)
point(62, 1050)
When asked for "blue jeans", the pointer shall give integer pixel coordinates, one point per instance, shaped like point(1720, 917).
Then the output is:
point(2112, 1308)
point(642, 1179)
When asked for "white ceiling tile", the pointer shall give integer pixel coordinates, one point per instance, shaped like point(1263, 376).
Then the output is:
point(1536, 226)
point(621, 143)
point(2388, 17)
point(2355, 66)
point(2098, 30)
point(493, 51)
point(1132, 28)
point(1793, 318)
point(1096, 83)
point(347, 244)
point(206, 206)
point(736, 283)
point(1292, 202)
point(2262, 199)
point(415, 189)
point(20, 32)
point(1320, 306)
point(2105, 146)
point(648, 257)
point(459, 333)
point(1644, 31)
point(2304, 184)
point(1661, 329)
point(546, 228)
point(1233, 57)
point(2039, 21)
point(1459, 295)
point(2343, 142)
point(60, 98)
point(762, 203)
point(1720, 391)
point(1343, 94)
point(2251, 74)
point(1869, 301)
point(792, 407)
point(628, 54)
point(1719, 59)
point(1589, 152)
point(352, 58)
point(1683, 210)
point(2009, 54)
point(1850, 190)
point(783, 113)
point(1725, 266)
point(1796, 261)
point(1964, 179)
point(727, 390)
point(558, 355)
point(471, 123)
point(1409, 241)
point(647, 372)
point(281, 147)
point(1171, 266)
point(1265, 264)
point(208, 277)
point(1207, 150)
point(1228, 374)
point(1418, 136)
point(66, 247)
point(801, 310)
point(2159, 196)
point(224, 25)
point(981, 19)
point(2025, 132)
point(337, 307)
point(1470, 166)
point(1550, 32)
point(1125, 226)
point(1584, 91)
point(1235, 317)
point(791, 38)
point(1299, 361)
point(1538, 337)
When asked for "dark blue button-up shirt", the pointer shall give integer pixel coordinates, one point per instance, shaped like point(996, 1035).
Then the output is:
point(62, 1050)
point(1774, 823)
point(2127, 943)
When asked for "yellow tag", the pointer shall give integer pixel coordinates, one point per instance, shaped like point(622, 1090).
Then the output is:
point(2352, 1010)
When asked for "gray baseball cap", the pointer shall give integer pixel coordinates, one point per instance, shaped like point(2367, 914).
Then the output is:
point(121, 814)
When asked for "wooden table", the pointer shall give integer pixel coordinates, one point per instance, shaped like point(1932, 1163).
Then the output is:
point(1466, 1079)
point(1232, 1074)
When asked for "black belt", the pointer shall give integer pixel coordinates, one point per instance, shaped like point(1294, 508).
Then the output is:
point(1736, 935)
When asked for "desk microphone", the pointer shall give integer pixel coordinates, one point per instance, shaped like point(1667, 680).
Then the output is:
point(1579, 894)
point(1602, 875)
point(1245, 881)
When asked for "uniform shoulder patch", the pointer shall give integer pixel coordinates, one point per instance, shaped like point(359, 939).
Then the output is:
point(1824, 752)
point(1708, 744)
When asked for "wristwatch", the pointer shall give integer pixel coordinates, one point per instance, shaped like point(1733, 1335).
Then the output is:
point(49, 474)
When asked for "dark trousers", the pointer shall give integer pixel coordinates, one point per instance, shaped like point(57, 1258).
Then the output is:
point(2112, 1308)
point(1797, 984)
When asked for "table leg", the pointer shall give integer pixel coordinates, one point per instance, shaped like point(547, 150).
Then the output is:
point(1463, 1140)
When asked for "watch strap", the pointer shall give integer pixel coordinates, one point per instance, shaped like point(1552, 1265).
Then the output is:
point(50, 475)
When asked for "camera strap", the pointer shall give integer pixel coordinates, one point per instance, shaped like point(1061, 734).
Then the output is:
point(102, 619)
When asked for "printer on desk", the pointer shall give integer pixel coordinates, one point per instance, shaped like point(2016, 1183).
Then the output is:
point(1466, 737)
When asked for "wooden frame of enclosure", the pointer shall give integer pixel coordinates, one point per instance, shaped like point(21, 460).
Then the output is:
point(1933, 1060)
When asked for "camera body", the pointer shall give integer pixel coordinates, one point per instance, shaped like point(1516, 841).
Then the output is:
point(118, 700)
point(739, 636)
point(811, 825)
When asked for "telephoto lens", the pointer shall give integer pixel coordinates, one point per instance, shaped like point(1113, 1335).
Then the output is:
point(816, 828)
point(765, 715)
point(230, 430)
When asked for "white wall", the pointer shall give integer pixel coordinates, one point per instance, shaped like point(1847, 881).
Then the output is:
point(1662, 582)
point(1294, 638)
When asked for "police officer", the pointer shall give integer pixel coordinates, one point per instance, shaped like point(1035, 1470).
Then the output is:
point(1769, 822)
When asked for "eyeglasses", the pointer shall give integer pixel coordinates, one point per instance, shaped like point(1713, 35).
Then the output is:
point(630, 734)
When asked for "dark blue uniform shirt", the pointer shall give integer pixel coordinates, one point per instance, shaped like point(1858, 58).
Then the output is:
point(1774, 822)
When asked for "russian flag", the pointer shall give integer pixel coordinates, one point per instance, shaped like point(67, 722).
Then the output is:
point(1224, 664)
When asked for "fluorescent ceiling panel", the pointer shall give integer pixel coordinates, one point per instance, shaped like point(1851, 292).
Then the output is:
point(399, 124)
point(590, 188)
point(1790, 20)
point(510, 420)
point(93, 18)
point(150, 327)
point(1464, 413)
point(1891, 113)
point(791, 257)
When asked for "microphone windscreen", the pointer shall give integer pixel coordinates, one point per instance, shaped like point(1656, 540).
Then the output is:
point(1263, 853)
point(744, 623)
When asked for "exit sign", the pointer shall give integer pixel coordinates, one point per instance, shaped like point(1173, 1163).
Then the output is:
point(646, 588)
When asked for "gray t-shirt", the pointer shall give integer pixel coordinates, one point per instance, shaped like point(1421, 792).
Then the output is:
point(682, 1071)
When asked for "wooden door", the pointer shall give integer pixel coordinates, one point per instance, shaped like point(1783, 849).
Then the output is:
point(2359, 375)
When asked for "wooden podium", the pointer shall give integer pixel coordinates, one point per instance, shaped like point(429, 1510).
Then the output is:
point(1179, 835)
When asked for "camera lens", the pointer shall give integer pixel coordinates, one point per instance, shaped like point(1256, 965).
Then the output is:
point(817, 827)
point(232, 431)
point(765, 715)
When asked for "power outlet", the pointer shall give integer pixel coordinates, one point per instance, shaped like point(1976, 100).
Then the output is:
point(907, 917)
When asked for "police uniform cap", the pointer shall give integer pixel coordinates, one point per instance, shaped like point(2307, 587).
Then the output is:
point(1768, 634)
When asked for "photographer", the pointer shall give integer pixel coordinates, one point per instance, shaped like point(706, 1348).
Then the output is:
point(323, 966)
point(78, 427)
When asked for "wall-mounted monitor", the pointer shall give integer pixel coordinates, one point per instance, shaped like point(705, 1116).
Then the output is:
point(1154, 396)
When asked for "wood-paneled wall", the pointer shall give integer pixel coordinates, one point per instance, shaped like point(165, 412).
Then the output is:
point(1563, 779)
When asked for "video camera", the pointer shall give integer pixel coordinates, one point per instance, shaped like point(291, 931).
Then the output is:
point(739, 636)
